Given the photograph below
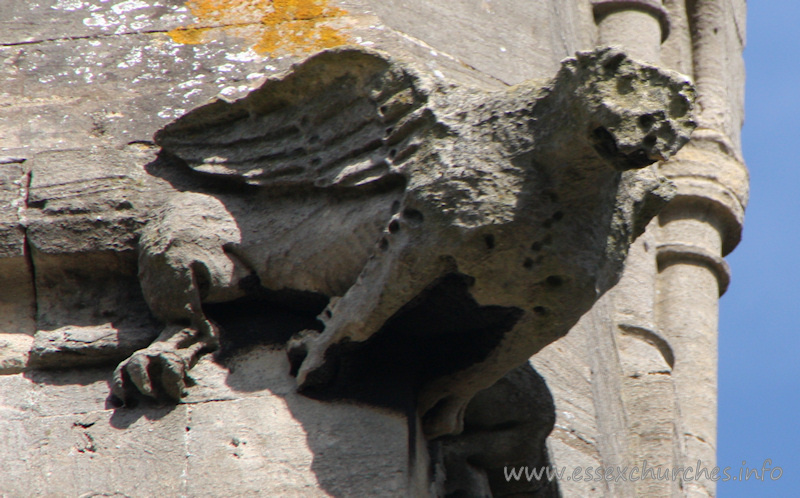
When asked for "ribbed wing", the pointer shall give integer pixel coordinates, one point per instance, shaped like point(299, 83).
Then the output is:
point(341, 118)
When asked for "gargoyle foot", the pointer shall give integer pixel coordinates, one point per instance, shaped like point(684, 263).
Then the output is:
point(446, 417)
point(307, 355)
point(297, 349)
point(160, 371)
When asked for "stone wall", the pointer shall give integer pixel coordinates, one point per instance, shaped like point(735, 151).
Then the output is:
point(87, 84)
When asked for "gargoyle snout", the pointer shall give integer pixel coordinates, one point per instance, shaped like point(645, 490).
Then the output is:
point(624, 156)
point(639, 139)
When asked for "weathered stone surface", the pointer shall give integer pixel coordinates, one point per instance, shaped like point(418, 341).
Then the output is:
point(83, 211)
point(244, 429)
point(504, 426)
point(662, 322)
point(91, 86)
point(495, 37)
point(51, 20)
point(86, 84)
point(83, 201)
point(469, 176)
point(13, 191)
point(17, 299)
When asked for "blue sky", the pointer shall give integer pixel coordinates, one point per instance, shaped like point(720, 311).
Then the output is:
point(759, 386)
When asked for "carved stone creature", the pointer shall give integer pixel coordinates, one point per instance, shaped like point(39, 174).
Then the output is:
point(371, 183)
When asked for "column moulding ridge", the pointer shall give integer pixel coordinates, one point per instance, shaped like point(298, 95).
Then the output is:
point(603, 8)
point(689, 253)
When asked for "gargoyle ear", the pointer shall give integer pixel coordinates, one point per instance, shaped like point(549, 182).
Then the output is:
point(342, 118)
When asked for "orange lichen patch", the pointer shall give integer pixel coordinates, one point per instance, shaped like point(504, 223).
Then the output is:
point(289, 26)
point(187, 36)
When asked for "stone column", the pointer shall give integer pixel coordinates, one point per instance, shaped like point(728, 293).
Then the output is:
point(645, 357)
point(702, 224)
point(638, 26)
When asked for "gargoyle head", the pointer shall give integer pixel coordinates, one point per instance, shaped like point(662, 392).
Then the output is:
point(638, 114)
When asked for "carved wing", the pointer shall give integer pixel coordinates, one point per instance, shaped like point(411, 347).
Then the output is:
point(341, 118)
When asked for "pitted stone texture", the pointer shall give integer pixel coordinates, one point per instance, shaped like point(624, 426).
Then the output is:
point(117, 78)
point(472, 183)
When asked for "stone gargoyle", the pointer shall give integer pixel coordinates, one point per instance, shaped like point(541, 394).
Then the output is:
point(452, 232)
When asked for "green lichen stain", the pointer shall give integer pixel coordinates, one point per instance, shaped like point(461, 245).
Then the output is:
point(274, 26)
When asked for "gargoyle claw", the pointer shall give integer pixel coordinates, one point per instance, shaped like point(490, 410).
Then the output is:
point(159, 371)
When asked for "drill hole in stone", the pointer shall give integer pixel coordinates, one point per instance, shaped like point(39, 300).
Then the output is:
point(551, 196)
point(554, 281)
point(614, 62)
point(625, 85)
point(488, 239)
point(679, 106)
point(604, 142)
point(394, 226)
point(413, 216)
point(296, 356)
point(646, 121)
point(527, 264)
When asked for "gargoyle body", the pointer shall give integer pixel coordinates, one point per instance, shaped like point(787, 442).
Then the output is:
point(371, 184)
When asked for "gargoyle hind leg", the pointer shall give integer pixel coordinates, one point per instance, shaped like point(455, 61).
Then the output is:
point(182, 262)
point(405, 262)
point(442, 403)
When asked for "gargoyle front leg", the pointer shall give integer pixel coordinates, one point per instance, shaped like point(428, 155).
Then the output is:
point(405, 262)
point(183, 261)
point(160, 370)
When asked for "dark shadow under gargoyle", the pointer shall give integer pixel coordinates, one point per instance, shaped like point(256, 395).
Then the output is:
point(444, 232)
